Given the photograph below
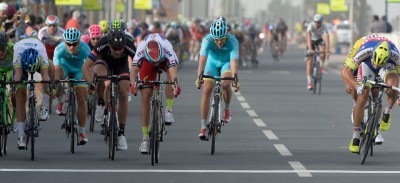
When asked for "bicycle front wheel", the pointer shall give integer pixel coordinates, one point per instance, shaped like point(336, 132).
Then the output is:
point(213, 124)
point(367, 138)
point(72, 123)
point(112, 139)
point(32, 122)
point(154, 132)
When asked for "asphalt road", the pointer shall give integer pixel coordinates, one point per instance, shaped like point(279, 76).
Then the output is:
point(280, 132)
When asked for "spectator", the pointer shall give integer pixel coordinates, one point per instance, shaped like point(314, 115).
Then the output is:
point(30, 28)
point(376, 25)
point(74, 21)
point(39, 23)
point(387, 27)
point(46, 6)
point(3, 14)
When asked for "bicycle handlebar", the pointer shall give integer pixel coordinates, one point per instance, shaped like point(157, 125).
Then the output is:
point(69, 81)
point(175, 82)
point(384, 85)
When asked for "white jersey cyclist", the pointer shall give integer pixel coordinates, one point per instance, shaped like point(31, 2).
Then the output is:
point(317, 33)
point(30, 42)
point(169, 52)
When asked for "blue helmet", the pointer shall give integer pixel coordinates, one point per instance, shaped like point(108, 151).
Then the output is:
point(30, 60)
point(218, 29)
point(72, 35)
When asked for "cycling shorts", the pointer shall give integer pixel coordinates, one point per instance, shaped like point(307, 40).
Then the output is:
point(214, 68)
point(75, 71)
point(148, 71)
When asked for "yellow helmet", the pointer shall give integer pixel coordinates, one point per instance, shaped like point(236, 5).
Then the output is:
point(104, 26)
point(381, 53)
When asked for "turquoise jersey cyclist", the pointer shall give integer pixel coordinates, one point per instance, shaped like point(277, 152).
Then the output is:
point(69, 57)
point(219, 55)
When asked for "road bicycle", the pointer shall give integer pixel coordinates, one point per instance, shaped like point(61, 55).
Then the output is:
point(370, 128)
point(32, 124)
point(157, 124)
point(70, 122)
point(316, 73)
point(111, 125)
point(7, 114)
point(215, 121)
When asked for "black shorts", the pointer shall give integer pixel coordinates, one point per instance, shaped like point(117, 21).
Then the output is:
point(120, 68)
point(315, 45)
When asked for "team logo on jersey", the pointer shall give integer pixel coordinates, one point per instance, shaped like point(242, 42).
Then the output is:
point(31, 44)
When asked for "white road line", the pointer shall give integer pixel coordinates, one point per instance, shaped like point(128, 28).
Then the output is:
point(245, 105)
point(259, 122)
point(300, 169)
point(202, 171)
point(282, 150)
point(251, 113)
point(241, 98)
point(270, 135)
point(279, 72)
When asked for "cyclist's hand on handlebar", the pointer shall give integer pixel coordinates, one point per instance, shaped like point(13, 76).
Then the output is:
point(236, 86)
point(311, 51)
point(360, 90)
point(177, 91)
point(198, 84)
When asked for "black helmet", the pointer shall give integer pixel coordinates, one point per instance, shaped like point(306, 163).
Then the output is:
point(116, 38)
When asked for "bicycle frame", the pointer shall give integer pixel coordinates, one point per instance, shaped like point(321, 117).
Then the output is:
point(316, 72)
point(6, 120)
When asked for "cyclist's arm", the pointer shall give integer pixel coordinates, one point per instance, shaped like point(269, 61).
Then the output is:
point(203, 56)
point(308, 38)
point(347, 77)
point(326, 37)
point(44, 72)
point(133, 74)
point(89, 62)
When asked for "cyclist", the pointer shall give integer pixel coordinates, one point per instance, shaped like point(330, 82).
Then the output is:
point(6, 59)
point(353, 51)
point(119, 24)
point(154, 53)
point(94, 34)
point(281, 28)
point(317, 38)
point(219, 53)
point(174, 34)
point(111, 54)
point(29, 56)
point(104, 27)
point(51, 35)
point(68, 60)
point(377, 57)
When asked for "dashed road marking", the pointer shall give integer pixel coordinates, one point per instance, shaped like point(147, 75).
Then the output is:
point(279, 72)
point(251, 113)
point(270, 135)
point(259, 122)
point(245, 105)
point(300, 169)
point(241, 98)
point(282, 150)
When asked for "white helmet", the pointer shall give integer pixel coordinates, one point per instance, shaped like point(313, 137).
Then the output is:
point(318, 18)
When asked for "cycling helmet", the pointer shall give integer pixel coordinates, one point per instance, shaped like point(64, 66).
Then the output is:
point(118, 24)
point(72, 35)
point(104, 26)
point(218, 29)
point(318, 18)
point(3, 38)
point(51, 20)
point(175, 25)
point(94, 31)
point(116, 38)
point(381, 53)
point(154, 51)
point(85, 38)
point(30, 60)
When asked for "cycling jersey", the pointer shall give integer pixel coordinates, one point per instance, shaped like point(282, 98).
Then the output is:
point(169, 52)
point(316, 34)
point(71, 63)
point(356, 47)
point(218, 59)
point(101, 54)
point(364, 54)
point(51, 41)
point(30, 42)
point(6, 64)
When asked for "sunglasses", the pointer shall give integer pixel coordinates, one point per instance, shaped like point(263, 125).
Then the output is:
point(72, 44)
point(95, 38)
point(53, 25)
point(220, 39)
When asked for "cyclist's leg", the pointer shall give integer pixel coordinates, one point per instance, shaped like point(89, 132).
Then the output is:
point(309, 62)
point(122, 70)
point(321, 47)
point(21, 111)
point(81, 90)
point(391, 78)
point(169, 95)
point(227, 90)
point(208, 86)
point(61, 72)
point(100, 68)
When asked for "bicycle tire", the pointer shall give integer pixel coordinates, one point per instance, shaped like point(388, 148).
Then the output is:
point(154, 128)
point(367, 139)
point(7, 129)
point(32, 122)
point(113, 133)
point(159, 133)
point(92, 111)
point(50, 105)
point(72, 122)
point(2, 127)
point(319, 79)
point(214, 122)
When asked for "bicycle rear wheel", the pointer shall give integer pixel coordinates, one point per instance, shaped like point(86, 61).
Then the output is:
point(154, 132)
point(319, 79)
point(92, 110)
point(3, 131)
point(315, 76)
point(32, 122)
